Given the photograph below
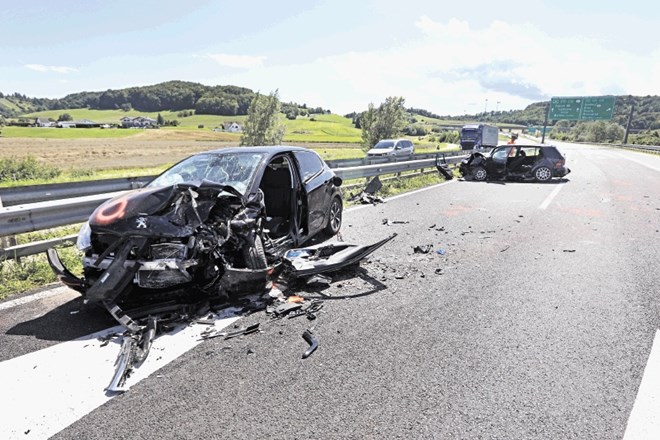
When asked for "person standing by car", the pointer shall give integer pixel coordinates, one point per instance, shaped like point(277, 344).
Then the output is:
point(514, 136)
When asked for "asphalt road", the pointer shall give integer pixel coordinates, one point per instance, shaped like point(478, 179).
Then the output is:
point(536, 322)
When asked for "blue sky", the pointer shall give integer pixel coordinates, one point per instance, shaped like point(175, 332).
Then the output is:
point(342, 55)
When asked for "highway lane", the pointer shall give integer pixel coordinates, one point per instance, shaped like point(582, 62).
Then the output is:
point(537, 322)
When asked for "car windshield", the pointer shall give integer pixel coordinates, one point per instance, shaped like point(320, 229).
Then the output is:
point(469, 133)
point(384, 144)
point(233, 169)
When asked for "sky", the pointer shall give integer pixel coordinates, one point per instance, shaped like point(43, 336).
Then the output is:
point(449, 58)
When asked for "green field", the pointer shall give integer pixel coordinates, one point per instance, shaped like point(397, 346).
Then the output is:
point(322, 128)
point(65, 133)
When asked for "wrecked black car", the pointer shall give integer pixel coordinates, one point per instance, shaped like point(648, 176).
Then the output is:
point(515, 162)
point(210, 225)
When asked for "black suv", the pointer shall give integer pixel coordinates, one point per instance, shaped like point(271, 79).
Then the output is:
point(515, 162)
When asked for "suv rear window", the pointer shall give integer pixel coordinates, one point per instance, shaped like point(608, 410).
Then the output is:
point(551, 152)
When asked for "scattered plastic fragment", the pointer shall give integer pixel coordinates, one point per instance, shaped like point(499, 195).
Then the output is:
point(394, 222)
point(440, 251)
point(308, 336)
point(423, 249)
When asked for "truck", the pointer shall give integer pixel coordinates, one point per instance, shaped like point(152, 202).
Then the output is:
point(478, 136)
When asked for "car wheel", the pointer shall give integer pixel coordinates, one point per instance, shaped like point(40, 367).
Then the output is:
point(334, 217)
point(543, 174)
point(479, 174)
point(255, 258)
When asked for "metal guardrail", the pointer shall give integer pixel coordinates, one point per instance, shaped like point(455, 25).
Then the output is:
point(57, 191)
point(31, 217)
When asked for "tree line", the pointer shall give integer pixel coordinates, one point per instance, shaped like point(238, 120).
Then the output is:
point(168, 96)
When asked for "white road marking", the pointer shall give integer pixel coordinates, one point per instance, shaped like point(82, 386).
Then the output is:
point(654, 168)
point(399, 196)
point(644, 420)
point(28, 299)
point(47, 390)
point(551, 197)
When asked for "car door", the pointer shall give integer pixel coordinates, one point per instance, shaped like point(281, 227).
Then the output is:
point(317, 188)
point(498, 158)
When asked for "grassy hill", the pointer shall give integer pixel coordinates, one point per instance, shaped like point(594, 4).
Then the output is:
point(317, 128)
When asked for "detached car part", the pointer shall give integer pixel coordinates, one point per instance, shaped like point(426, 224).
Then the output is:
point(308, 336)
point(325, 257)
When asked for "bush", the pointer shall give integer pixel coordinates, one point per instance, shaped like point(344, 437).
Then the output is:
point(26, 169)
point(86, 172)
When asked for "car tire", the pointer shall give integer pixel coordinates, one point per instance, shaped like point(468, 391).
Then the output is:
point(479, 174)
point(543, 174)
point(255, 257)
point(334, 217)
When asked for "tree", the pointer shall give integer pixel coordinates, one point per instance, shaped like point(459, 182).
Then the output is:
point(262, 126)
point(383, 122)
point(64, 117)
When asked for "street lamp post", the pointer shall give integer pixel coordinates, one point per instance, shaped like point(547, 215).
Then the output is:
point(486, 107)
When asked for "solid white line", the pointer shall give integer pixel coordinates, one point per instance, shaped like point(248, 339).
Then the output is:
point(399, 196)
point(639, 162)
point(47, 390)
point(34, 297)
point(551, 197)
point(644, 420)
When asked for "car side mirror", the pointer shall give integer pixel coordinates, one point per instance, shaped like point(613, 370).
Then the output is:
point(398, 147)
point(337, 181)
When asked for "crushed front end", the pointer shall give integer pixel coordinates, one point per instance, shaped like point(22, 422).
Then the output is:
point(167, 243)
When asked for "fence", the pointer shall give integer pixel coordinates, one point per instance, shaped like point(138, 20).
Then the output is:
point(38, 207)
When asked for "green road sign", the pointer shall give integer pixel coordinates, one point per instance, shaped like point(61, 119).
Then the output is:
point(585, 108)
point(598, 108)
point(565, 108)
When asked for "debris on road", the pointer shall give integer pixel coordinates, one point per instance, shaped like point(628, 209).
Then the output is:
point(443, 167)
point(308, 336)
point(423, 249)
point(388, 222)
point(368, 195)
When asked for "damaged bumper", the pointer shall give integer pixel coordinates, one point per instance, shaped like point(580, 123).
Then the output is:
point(324, 257)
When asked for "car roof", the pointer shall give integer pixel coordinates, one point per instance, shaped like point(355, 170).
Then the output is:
point(270, 150)
point(527, 145)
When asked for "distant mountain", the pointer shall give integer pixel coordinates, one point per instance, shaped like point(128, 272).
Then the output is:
point(170, 95)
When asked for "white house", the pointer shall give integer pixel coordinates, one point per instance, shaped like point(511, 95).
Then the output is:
point(232, 127)
point(137, 122)
point(42, 122)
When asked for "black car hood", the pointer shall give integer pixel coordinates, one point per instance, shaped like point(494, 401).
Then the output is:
point(165, 211)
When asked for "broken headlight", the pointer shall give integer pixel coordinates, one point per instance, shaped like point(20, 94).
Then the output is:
point(84, 241)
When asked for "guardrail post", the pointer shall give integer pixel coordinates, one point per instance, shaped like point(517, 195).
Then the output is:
point(8, 241)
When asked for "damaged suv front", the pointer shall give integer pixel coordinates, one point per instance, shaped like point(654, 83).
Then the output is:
point(179, 236)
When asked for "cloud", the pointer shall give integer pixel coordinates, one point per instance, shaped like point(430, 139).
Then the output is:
point(236, 61)
point(499, 76)
point(57, 69)
point(453, 67)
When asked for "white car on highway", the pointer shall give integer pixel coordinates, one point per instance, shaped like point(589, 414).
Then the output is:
point(392, 148)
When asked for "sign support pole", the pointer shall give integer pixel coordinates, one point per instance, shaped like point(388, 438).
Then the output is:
point(625, 137)
point(545, 123)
